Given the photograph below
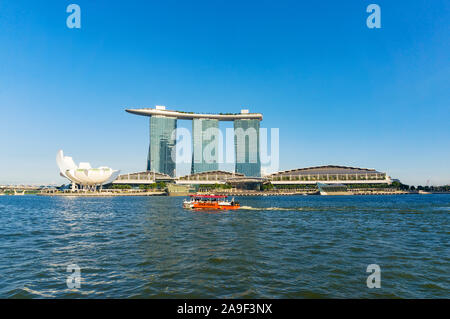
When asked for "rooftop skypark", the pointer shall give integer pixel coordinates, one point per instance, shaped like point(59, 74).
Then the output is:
point(161, 110)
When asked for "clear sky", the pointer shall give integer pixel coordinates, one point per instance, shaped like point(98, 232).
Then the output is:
point(340, 93)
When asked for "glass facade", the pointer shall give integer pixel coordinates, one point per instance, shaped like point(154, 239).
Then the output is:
point(161, 145)
point(205, 143)
point(246, 147)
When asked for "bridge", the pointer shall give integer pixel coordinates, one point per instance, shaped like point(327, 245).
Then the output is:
point(19, 189)
point(12, 188)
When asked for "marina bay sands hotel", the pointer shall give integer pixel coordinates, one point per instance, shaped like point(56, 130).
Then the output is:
point(163, 122)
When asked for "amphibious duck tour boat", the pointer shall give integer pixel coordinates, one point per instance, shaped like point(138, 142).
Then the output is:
point(210, 202)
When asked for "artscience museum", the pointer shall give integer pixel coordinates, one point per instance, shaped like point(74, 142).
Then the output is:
point(83, 176)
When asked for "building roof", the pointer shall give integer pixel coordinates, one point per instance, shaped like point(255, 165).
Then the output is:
point(191, 115)
point(328, 169)
point(208, 196)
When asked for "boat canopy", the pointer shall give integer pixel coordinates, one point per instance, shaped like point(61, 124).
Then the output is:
point(209, 196)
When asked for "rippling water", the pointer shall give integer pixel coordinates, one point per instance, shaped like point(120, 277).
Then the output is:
point(280, 247)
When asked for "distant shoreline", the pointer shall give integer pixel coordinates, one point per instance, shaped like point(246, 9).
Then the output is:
point(104, 194)
point(241, 194)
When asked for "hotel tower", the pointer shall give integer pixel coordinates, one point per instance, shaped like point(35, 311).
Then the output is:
point(162, 140)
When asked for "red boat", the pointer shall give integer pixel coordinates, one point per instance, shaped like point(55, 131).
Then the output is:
point(210, 202)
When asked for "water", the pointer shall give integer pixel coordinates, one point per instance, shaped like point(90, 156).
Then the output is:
point(280, 247)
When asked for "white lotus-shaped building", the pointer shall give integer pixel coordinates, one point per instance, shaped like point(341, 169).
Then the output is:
point(83, 174)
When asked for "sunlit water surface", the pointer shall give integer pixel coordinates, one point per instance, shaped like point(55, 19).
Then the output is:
point(280, 247)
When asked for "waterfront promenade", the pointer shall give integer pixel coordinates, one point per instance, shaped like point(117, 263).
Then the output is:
point(104, 193)
point(306, 192)
point(115, 193)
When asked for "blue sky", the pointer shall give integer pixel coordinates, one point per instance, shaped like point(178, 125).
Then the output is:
point(339, 92)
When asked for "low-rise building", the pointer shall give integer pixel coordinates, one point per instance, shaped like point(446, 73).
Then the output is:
point(330, 174)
